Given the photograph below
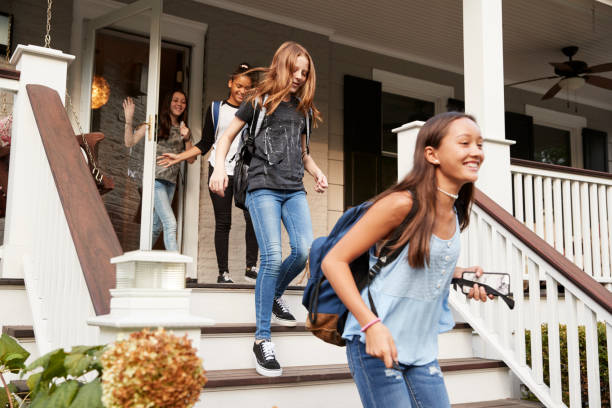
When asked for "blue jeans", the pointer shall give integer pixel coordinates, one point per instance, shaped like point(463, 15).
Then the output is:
point(268, 208)
point(163, 216)
point(381, 387)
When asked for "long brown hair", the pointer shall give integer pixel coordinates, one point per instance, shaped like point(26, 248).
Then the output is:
point(276, 82)
point(421, 181)
point(165, 121)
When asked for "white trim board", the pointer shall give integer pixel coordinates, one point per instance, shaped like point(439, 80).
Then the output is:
point(414, 88)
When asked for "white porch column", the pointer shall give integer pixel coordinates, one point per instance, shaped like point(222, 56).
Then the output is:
point(484, 93)
point(406, 141)
point(44, 66)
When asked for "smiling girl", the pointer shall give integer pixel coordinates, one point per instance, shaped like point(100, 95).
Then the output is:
point(173, 137)
point(393, 355)
point(275, 190)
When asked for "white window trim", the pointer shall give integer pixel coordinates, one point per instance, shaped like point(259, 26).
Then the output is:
point(564, 121)
point(415, 88)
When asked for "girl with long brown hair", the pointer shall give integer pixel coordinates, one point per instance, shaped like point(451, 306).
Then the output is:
point(275, 190)
point(393, 355)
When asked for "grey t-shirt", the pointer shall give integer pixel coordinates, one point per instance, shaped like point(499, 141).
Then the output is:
point(277, 162)
point(173, 144)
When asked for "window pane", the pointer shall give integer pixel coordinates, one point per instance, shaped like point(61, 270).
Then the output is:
point(551, 145)
point(398, 110)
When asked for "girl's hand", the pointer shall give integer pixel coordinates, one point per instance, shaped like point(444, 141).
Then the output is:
point(320, 183)
point(128, 109)
point(380, 344)
point(218, 181)
point(167, 159)
point(477, 292)
point(185, 132)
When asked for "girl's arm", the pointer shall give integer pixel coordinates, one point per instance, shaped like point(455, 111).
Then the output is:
point(311, 167)
point(218, 180)
point(131, 136)
point(376, 224)
point(170, 159)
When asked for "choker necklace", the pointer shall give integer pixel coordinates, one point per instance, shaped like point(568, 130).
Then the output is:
point(453, 196)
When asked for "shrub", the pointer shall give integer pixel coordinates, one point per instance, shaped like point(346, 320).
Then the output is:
point(603, 362)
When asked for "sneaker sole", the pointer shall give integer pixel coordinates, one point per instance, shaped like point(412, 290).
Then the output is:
point(283, 322)
point(250, 280)
point(267, 372)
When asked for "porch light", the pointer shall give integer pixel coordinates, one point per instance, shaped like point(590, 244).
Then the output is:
point(572, 83)
point(100, 91)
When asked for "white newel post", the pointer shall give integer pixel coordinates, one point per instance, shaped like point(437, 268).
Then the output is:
point(44, 66)
point(150, 293)
point(406, 141)
point(484, 93)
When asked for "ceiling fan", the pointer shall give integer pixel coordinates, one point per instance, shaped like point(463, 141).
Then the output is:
point(573, 74)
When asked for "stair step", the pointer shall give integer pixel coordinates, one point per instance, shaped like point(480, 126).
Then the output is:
point(19, 332)
point(503, 403)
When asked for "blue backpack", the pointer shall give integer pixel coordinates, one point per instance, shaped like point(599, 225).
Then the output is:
point(326, 312)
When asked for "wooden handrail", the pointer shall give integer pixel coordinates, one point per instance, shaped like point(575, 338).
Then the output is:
point(9, 73)
point(578, 277)
point(560, 169)
point(94, 238)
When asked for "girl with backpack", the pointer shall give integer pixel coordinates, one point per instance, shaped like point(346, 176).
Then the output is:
point(275, 190)
point(217, 118)
point(393, 355)
point(174, 136)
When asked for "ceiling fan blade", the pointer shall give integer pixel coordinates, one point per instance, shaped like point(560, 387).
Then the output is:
point(532, 80)
point(552, 91)
point(600, 68)
point(599, 81)
point(563, 67)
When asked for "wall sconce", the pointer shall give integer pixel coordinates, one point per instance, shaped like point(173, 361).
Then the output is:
point(100, 91)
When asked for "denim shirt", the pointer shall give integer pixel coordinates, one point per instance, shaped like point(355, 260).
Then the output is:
point(413, 302)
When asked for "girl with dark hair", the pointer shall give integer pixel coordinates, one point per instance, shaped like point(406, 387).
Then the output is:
point(217, 118)
point(393, 356)
point(173, 137)
point(275, 190)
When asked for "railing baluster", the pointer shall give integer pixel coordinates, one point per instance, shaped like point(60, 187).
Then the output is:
point(568, 245)
point(573, 351)
point(596, 248)
point(554, 348)
point(539, 201)
point(609, 347)
point(592, 357)
point(586, 233)
point(578, 258)
point(518, 197)
point(603, 228)
point(548, 212)
point(517, 276)
point(528, 187)
point(558, 215)
point(536, 324)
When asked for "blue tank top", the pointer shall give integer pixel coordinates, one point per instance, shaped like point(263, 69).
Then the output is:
point(413, 302)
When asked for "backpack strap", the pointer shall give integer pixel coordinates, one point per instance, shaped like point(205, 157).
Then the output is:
point(386, 254)
point(258, 115)
point(215, 114)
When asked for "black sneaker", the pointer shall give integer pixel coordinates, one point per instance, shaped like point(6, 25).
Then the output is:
point(250, 275)
point(281, 313)
point(265, 360)
point(225, 278)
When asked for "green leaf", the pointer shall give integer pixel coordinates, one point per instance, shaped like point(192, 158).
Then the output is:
point(64, 394)
point(89, 396)
point(41, 400)
point(33, 382)
point(55, 366)
point(89, 350)
point(77, 364)
point(3, 397)
point(10, 347)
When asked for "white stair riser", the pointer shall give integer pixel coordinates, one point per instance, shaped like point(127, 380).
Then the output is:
point(14, 306)
point(464, 386)
point(295, 349)
point(237, 305)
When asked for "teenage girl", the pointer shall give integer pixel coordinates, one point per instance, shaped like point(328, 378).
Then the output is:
point(275, 189)
point(239, 84)
point(173, 137)
point(393, 356)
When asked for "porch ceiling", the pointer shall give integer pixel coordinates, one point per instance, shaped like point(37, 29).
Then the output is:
point(430, 32)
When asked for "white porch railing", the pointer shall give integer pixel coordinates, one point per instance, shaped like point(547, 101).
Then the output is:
point(571, 209)
point(492, 245)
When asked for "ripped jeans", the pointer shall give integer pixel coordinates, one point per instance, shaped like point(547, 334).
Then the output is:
point(409, 387)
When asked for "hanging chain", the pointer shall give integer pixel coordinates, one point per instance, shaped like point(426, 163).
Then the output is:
point(48, 34)
point(97, 174)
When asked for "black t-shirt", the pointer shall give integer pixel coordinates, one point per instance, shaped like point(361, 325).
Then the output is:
point(277, 162)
